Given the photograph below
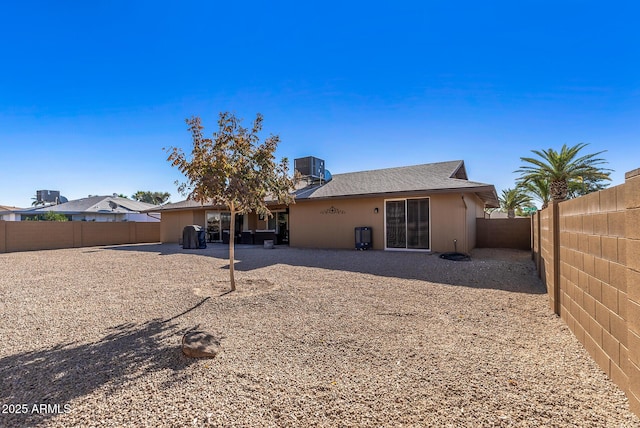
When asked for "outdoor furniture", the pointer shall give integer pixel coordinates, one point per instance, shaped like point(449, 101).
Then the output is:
point(246, 238)
point(264, 235)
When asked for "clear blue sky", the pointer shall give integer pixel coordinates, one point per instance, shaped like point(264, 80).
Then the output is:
point(90, 92)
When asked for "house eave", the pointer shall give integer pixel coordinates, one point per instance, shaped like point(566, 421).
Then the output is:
point(484, 190)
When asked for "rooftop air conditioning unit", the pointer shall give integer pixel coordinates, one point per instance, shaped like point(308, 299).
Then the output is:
point(47, 195)
point(310, 167)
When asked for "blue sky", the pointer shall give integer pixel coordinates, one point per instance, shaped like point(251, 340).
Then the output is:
point(90, 92)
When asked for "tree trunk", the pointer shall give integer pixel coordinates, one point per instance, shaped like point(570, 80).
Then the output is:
point(232, 233)
point(511, 213)
point(558, 190)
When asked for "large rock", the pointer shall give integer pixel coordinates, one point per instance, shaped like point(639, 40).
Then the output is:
point(199, 344)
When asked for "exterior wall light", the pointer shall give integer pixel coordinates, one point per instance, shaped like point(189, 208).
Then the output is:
point(375, 210)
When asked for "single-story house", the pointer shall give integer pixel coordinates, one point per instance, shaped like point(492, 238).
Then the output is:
point(100, 209)
point(9, 213)
point(428, 207)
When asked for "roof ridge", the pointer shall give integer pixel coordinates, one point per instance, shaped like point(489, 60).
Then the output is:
point(457, 162)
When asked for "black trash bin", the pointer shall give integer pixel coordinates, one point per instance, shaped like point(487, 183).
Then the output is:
point(202, 238)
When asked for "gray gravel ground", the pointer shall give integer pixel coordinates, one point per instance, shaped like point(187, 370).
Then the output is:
point(311, 338)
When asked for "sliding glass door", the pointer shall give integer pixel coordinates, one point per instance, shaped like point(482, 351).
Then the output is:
point(407, 224)
point(396, 224)
point(214, 230)
point(218, 223)
point(418, 224)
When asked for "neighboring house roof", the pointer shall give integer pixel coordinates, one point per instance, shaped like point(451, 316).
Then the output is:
point(438, 177)
point(96, 205)
point(431, 177)
point(183, 205)
point(8, 208)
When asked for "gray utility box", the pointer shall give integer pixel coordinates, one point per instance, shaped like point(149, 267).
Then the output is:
point(364, 238)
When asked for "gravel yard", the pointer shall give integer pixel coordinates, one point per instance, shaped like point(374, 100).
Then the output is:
point(311, 338)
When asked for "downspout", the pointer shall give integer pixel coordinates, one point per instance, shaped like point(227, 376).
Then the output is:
point(464, 220)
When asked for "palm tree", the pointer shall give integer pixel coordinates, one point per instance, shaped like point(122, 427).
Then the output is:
point(582, 187)
point(538, 189)
point(155, 198)
point(513, 199)
point(560, 169)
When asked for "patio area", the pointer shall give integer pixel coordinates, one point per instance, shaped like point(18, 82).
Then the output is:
point(310, 338)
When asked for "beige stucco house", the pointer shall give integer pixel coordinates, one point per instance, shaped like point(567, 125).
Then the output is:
point(413, 208)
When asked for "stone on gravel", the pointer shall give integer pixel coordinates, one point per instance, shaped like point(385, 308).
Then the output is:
point(199, 344)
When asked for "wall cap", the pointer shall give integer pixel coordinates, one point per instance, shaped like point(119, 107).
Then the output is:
point(631, 174)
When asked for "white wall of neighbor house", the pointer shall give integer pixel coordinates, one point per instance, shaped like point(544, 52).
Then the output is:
point(10, 217)
point(144, 218)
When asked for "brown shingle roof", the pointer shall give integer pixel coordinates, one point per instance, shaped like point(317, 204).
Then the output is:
point(187, 204)
point(7, 208)
point(431, 177)
point(441, 176)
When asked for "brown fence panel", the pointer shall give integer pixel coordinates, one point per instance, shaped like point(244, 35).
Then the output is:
point(49, 235)
point(535, 240)
point(147, 232)
point(38, 235)
point(503, 233)
point(3, 236)
point(97, 233)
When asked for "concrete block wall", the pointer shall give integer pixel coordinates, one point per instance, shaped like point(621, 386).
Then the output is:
point(503, 233)
point(147, 232)
point(3, 236)
point(548, 254)
point(27, 235)
point(49, 235)
point(593, 284)
point(631, 254)
point(588, 253)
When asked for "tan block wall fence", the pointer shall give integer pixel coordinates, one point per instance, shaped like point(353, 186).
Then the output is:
point(504, 233)
point(49, 235)
point(587, 251)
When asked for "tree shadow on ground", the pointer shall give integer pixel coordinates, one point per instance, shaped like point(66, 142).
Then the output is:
point(60, 374)
point(501, 269)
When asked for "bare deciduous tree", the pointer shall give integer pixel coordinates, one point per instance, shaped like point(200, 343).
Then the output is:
point(233, 169)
